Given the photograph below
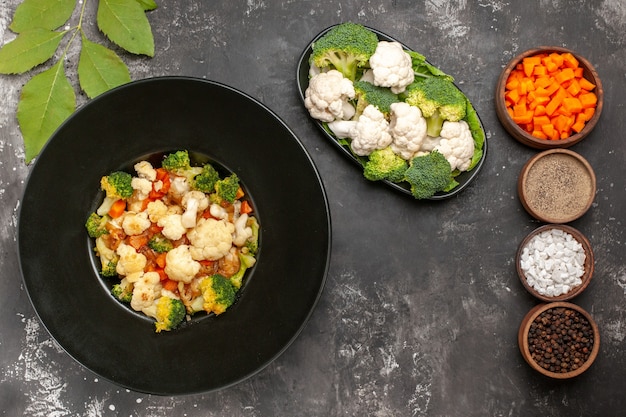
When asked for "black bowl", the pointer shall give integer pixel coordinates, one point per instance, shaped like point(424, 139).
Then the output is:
point(302, 78)
point(143, 119)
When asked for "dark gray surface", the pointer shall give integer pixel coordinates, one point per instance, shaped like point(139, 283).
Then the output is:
point(422, 304)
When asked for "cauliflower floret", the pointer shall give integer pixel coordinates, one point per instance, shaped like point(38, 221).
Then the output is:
point(142, 188)
point(408, 129)
point(105, 253)
point(178, 187)
point(327, 96)
point(135, 223)
point(194, 202)
point(456, 144)
point(130, 260)
point(342, 128)
point(172, 225)
point(145, 170)
point(392, 67)
point(211, 239)
point(146, 288)
point(156, 210)
point(370, 132)
point(242, 232)
point(218, 211)
point(428, 144)
point(180, 266)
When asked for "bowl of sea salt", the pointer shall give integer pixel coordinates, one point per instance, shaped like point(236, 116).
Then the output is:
point(555, 262)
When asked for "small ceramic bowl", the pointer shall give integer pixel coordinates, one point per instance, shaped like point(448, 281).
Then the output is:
point(560, 340)
point(522, 135)
point(557, 186)
point(536, 274)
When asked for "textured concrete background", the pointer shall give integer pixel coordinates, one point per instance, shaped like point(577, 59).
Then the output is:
point(422, 304)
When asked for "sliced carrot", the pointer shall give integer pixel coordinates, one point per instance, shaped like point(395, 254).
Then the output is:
point(589, 112)
point(585, 84)
point(549, 64)
point(170, 285)
point(138, 241)
point(557, 58)
point(569, 60)
point(555, 102)
point(574, 88)
point(549, 130)
point(572, 104)
point(563, 123)
point(588, 100)
point(245, 207)
point(524, 118)
point(540, 70)
point(117, 209)
point(540, 110)
point(239, 193)
point(578, 126)
point(512, 96)
point(543, 82)
point(539, 134)
point(565, 74)
point(160, 260)
point(154, 228)
point(529, 63)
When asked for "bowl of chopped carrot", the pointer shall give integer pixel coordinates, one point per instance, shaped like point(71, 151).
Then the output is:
point(549, 97)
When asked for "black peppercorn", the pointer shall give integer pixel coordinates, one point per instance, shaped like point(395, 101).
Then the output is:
point(560, 339)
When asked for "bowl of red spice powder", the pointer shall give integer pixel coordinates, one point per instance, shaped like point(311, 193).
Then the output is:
point(559, 340)
point(549, 97)
point(557, 186)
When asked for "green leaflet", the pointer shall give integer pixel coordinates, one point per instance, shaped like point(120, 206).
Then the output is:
point(100, 69)
point(45, 14)
point(46, 101)
point(31, 48)
point(148, 5)
point(125, 23)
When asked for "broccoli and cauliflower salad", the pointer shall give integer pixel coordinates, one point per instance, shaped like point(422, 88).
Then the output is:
point(177, 239)
point(401, 117)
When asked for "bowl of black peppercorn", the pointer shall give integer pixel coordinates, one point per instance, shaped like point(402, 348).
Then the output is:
point(559, 340)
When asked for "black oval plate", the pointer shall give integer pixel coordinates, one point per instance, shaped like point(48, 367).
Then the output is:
point(162, 115)
point(302, 77)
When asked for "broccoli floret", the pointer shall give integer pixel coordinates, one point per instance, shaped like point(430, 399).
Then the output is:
point(218, 293)
point(226, 189)
point(117, 185)
point(439, 100)
point(110, 269)
point(176, 161)
point(170, 312)
point(245, 261)
point(384, 164)
point(346, 48)
point(179, 163)
point(205, 181)
point(428, 174)
point(123, 292)
point(252, 244)
point(96, 225)
point(367, 93)
point(160, 243)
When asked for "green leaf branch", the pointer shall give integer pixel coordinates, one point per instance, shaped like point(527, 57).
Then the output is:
point(48, 98)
